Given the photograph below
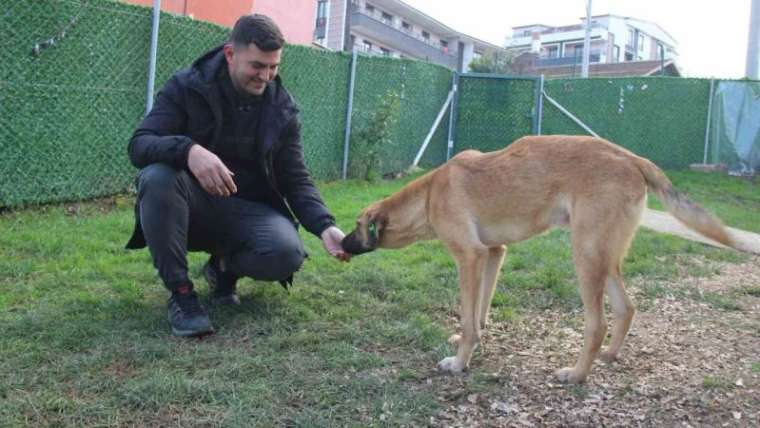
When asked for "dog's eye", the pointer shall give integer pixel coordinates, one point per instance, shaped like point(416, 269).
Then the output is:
point(372, 228)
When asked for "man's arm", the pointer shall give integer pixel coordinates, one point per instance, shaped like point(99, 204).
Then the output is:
point(160, 137)
point(303, 196)
point(295, 183)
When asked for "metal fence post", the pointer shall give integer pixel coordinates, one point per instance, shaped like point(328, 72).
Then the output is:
point(709, 115)
point(153, 53)
point(538, 108)
point(452, 116)
point(349, 111)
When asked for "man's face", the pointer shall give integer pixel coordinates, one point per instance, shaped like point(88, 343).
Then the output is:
point(251, 68)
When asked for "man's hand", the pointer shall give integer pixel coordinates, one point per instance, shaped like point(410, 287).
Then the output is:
point(210, 171)
point(331, 239)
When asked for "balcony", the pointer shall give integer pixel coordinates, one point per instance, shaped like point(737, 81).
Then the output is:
point(594, 57)
point(385, 32)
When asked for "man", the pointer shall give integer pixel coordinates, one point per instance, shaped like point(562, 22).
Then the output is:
point(222, 171)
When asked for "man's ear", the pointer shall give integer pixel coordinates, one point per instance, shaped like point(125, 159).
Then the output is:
point(228, 52)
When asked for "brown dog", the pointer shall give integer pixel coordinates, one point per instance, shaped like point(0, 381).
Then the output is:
point(478, 202)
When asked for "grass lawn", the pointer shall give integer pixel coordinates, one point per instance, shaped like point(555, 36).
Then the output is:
point(85, 340)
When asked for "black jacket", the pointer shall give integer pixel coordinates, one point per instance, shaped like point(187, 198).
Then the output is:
point(188, 110)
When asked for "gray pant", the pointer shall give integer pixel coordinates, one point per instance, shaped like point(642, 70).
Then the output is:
point(178, 216)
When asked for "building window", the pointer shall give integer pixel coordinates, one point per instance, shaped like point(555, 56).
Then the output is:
point(551, 51)
point(641, 42)
point(574, 50)
point(406, 26)
point(321, 9)
point(369, 8)
point(615, 53)
point(387, 18)
point(367, 46)
point(385, 52)
point(426, 35)
point(445, 46)
point(321, 13)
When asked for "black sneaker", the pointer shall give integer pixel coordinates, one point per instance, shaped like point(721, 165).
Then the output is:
point(221, 284)
point(187, 317)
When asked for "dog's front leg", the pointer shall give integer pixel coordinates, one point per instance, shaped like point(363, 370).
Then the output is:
point(470, 264)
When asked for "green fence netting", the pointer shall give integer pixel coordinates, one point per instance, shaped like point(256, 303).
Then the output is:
point(422, 89)
point(71, 90)
point(493, 111)
point(73, 77)
point(661, 118)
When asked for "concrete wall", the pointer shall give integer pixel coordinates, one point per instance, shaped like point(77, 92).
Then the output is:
point(296, 18)
point(222, 12)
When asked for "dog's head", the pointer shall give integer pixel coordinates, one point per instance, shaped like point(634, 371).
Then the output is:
point(368, 234)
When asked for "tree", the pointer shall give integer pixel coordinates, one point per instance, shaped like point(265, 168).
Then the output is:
point(495, 62)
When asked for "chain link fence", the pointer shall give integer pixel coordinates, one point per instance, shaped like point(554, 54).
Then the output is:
point(493, 111)
point(661, 118)
point(73, 84)
point(422, 89)
point(73, 79)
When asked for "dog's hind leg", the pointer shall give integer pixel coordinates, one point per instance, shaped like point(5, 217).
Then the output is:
point(488, 283)
point(591, 264)
point(621, 304)
point(471, 264)
point(623, 309)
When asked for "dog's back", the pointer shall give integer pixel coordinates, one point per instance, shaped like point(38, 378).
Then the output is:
point(538, 181)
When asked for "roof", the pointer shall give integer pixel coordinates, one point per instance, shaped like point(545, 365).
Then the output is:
point(617, 69)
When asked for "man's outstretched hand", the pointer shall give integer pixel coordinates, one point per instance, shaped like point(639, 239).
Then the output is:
point(210, 171)
point(331, 239)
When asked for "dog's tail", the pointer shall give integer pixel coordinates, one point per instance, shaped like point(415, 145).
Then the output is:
point(688, 212)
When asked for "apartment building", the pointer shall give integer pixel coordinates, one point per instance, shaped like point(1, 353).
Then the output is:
point(294, 17)
point(393, 28)
point(614, 40)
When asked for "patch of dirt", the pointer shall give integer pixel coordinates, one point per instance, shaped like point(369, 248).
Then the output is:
point(689, 360)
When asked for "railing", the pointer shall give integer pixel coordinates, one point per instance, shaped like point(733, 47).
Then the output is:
point(567, 60)
point(377, 16)
point(413, 46)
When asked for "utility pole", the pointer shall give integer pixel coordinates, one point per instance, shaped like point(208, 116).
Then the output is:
point(753, 44)
point(587, 41)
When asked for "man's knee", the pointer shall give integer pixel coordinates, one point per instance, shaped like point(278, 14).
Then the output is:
point(273, 266)
point(159, 178)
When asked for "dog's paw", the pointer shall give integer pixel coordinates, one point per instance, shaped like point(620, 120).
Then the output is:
point(569, 375)
point(454, 339)
point(451, 365)
point(608, 357)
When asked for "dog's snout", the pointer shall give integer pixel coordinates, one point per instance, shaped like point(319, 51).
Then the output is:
point(353, 245)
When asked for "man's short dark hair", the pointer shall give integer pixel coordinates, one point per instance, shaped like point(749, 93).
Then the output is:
point(257, 29)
